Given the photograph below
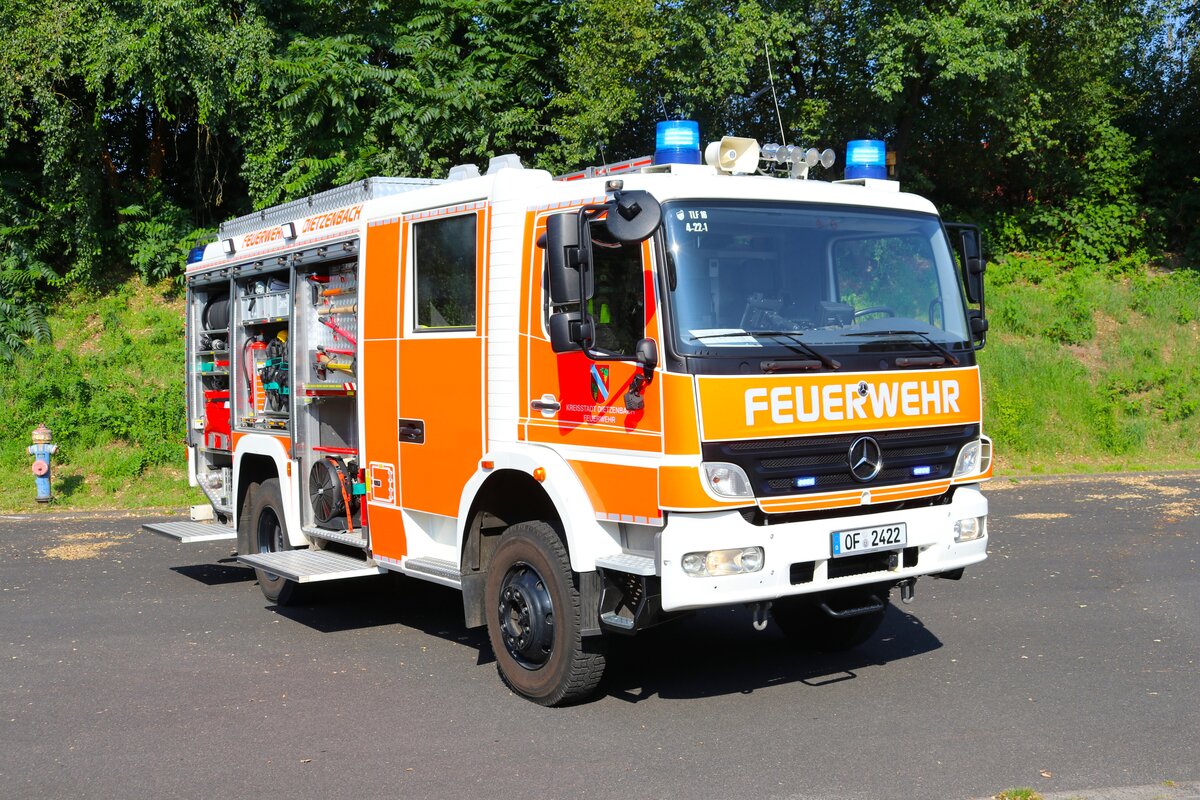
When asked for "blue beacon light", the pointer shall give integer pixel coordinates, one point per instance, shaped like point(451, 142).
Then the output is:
point(866, 158)
point(677, 142)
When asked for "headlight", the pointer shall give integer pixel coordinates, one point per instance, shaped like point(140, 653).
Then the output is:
point(968, 459)
point(975, 458)
point(969, 529)
point(727, 480)
point(738, 561)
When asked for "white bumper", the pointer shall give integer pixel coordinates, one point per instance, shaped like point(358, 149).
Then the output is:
point(930, 530)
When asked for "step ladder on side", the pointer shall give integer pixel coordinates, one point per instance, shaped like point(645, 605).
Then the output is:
point(191, 532)
point(311, 566)
point(302, 566)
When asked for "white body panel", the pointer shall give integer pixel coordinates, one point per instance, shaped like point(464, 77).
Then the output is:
point(930, 529)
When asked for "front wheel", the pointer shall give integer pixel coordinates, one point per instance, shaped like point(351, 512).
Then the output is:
point(534, 619)
point(268, 533)
point(804, 621)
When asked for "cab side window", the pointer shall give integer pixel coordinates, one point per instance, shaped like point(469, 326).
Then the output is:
point(619, 303)
point(444, 272)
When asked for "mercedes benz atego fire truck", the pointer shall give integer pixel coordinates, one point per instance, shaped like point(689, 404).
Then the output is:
point(596, 402)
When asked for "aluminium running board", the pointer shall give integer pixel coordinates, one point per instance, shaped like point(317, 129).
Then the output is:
point(310, 566)
point(191, 532)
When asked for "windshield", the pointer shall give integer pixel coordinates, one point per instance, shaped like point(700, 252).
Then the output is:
point(764, 276)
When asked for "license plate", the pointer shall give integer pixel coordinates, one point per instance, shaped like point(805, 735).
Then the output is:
point(868, 540)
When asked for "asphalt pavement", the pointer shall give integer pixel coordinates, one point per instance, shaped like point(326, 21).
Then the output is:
point(1067, 662)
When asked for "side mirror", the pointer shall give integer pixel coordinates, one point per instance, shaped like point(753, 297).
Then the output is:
point(633, 216)
point(979, 326)
point(646, 354)
point(970, 252)
point(973, 265)
point(568, 331)
point(566, 256)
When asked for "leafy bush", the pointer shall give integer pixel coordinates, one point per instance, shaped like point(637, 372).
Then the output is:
point(158, 233)
point(113, 383)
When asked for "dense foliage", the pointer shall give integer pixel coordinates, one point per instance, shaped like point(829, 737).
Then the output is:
point(129, 128)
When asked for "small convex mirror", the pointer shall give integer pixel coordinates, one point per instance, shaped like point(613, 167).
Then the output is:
point(633, 216)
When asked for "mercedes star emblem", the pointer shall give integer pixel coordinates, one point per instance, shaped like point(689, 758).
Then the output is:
point(866, 459)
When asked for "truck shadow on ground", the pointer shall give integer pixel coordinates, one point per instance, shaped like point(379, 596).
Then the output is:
point(226, 570)
point(710, 653)
point(718, 652)
point(390, 599)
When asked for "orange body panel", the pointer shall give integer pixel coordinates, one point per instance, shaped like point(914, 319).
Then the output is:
point(680, 424)
point(442, 385)
point(620, 492)
point(378, 360)
point(443, 380)
point(680, 489)
point(801, 405)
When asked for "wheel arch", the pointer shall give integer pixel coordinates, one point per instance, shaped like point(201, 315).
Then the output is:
point(260, 458)
point(509, 494)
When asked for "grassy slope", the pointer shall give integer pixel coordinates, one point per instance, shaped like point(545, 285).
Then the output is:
point(110, 388)
point(1083, 372)
point(1087, 371)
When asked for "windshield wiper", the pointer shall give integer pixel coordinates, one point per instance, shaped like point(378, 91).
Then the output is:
point(924, 338)
point(803, 347)
point(796, 345)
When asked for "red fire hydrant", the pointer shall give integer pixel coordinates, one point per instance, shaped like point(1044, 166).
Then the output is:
point(42, 450)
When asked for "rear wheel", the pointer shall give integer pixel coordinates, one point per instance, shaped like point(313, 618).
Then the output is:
point(534, 619)
point(804, 621)
point(269, 535)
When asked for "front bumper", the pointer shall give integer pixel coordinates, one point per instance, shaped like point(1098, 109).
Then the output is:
point(930, 539)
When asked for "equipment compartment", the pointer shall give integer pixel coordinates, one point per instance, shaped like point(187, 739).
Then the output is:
point(262, 383)
point(209, 412)
point(327, 388)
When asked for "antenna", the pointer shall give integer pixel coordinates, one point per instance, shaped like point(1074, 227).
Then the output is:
point(771, 78)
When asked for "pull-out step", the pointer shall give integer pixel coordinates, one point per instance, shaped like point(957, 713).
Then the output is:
point(309, 566)
point(189, 532)
point(628, 562)
point(341, 537)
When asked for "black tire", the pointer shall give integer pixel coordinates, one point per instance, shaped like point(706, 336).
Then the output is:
point(803, 620)
point(534, 619)
point(268, 534)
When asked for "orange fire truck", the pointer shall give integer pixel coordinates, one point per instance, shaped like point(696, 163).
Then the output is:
point(591, 404)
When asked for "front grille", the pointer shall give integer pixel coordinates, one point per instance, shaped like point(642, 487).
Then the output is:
point(822, 462)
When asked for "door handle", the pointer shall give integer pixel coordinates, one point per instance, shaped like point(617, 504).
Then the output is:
point(547, 404)
point(412, 431)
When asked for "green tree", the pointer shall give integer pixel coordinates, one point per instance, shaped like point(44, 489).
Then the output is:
point(407, 88)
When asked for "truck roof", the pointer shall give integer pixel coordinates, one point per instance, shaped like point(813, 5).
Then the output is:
point(336, 213)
